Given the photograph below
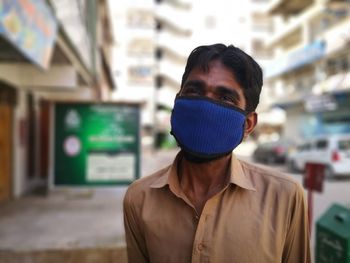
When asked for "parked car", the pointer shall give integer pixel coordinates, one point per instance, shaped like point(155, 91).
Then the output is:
point(272, 152)
point(332, 150)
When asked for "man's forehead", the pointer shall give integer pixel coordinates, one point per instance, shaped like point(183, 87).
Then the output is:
point(220, 71)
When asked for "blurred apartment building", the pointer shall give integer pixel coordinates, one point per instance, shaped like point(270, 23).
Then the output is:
point(310, 74)
point(134, 54)
point(151, 56)
point(49, 51)
point(158, 36)
point(173, 45)
point(261, 28)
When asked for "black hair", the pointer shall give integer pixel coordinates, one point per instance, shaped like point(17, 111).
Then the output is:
point(245, 69)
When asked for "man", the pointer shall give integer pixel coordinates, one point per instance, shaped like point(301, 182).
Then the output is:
point(208, 206)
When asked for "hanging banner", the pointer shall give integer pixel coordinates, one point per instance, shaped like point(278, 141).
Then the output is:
point(96, 144)
point(31, 27)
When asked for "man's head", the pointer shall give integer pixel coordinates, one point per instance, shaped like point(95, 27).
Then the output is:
point(215, 107)
point(245, 70)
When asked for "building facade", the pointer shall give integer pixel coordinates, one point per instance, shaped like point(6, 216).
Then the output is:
point(309, 75)
point(49, 51)
point(173, 45)
point(134, 69)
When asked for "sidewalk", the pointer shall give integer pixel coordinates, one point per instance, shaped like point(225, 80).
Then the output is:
point(70, 225)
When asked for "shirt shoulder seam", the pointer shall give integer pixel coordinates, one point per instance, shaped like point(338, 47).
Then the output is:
point(267, 172)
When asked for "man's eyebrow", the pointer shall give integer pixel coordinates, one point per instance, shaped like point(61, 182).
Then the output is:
point(196, 83)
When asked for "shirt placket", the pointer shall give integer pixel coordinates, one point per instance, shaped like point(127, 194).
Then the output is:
point(202, 240)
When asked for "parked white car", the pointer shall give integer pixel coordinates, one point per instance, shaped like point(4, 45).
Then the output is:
point(331, 150)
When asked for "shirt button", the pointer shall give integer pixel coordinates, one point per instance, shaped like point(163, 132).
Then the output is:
point(200, 247)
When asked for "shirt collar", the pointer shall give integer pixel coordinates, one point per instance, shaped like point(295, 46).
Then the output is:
point(170, 177)
point(238, 177)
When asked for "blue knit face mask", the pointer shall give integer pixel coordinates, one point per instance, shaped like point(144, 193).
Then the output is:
point(206, 129)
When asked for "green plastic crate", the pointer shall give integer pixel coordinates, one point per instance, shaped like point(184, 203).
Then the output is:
point(333, 236)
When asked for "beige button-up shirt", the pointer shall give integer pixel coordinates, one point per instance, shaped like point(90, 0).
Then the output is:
point(261, 216)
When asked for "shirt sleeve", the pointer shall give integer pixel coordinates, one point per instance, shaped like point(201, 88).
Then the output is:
point(297, 245)
point(136, 247)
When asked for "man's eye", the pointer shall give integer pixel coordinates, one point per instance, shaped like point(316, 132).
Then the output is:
point(228, 99)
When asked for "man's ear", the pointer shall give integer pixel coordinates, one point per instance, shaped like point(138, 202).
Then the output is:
point(250, 123)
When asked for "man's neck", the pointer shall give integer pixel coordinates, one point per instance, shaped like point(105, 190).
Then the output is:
point(201, 181)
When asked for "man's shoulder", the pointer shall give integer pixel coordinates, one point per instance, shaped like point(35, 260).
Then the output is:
point(144, 184)
point(263, 176)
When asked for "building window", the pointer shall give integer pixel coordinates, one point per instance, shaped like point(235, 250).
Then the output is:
point(142, 74)
point(141, 47)
point(262, 23)
point(141, 18)
point(259, 50)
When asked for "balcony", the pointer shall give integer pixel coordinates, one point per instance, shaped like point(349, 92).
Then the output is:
point(297, 59)
point(261, 26)
point(166, 81)
point(288, 7)
point(260, 6)
point(172, 55)
point(171, 70)
point(166, 96)
point(337, 38)
point(173, 19)
point(182, 4)
point(291, 95)
point(285, 30)
point(180, 45)
point(334, 84)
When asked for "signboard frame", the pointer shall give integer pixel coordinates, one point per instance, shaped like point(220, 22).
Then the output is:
point(31, 27)
point(108, 151)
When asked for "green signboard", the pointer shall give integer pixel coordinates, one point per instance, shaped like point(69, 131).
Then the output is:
point(96, 144)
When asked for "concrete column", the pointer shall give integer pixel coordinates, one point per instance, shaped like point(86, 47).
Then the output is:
point(19, 145)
